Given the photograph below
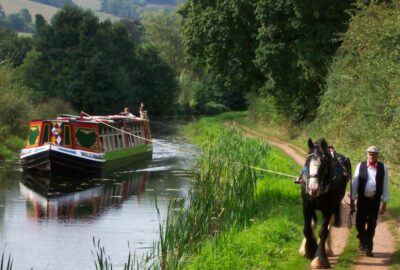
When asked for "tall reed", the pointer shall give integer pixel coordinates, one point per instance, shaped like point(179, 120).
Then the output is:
point(6, 264)
point(222, 197)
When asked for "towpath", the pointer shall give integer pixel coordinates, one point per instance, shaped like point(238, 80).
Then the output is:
point(384, 243)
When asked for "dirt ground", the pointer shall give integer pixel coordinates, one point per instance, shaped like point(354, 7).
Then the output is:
point(384, 243)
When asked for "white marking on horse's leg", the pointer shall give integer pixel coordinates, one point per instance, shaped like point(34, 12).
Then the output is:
point(302, 249)
point(328, 243)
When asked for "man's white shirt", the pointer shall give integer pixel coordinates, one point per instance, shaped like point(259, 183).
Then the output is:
point(370, 187)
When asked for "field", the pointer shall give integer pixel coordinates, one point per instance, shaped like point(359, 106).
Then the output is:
point(14, 6)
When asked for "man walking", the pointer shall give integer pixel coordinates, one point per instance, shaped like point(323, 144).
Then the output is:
point(370, 187)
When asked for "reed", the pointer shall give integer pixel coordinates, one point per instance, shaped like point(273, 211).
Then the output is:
point(101, 261)
point(6, 264)
point(222, 197)
point(227, 197)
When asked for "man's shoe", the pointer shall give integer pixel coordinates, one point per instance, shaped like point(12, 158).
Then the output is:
point(362, 247)
point(369, 253)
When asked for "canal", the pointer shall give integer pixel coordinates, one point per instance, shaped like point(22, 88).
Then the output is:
point(51, 223)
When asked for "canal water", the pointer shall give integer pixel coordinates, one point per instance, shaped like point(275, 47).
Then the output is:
point(51, 223)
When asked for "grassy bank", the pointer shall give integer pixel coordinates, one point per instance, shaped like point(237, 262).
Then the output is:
point(269, 235)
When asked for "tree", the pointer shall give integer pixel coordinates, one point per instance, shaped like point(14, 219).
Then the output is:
point(220, 38)
point(13, 49)
point(273, 47)
point(163, 31)
point(25, 15)
point(154, 83)
point(93, 65)
point(297, 41)
point(2, 12)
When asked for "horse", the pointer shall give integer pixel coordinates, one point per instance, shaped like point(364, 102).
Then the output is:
point(323, 188)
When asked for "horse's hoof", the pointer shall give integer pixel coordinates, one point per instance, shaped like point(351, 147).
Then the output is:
point(318, 263)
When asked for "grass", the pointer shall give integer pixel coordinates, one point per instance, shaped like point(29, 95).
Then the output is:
point(272, 238)
point(351, 253)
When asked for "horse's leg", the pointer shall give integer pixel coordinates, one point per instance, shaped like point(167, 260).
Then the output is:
point(320, 260)
point(328, 242)
point(302, 250)
point(310, 243)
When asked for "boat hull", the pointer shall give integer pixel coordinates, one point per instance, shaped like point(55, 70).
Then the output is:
point(64, 161)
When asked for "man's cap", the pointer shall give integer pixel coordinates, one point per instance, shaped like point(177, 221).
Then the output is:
point(373, 149)
point(331, 146)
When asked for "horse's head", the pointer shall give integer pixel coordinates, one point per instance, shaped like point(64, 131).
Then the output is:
point(318, 165)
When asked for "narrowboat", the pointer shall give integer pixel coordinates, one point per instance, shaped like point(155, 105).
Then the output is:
point(86, 145)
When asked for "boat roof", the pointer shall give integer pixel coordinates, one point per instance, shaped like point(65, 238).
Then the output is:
point(94, 119)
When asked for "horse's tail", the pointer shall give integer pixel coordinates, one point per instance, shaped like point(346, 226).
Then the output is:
point(337, 213)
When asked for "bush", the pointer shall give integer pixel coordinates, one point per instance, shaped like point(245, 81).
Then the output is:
point(211, 108)
point(51, 109)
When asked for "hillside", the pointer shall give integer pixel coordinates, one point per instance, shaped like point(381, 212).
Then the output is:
point(14, 6)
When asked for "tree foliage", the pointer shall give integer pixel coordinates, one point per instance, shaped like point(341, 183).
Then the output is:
point(14, 111)
point(220, 38)
point(163, 31)
point(297, 40)
point(93, 65)
point(13, 49)
point(20, 22)
point(361, 105)
point(133, 9)
point(274, 47)
point(2, 12)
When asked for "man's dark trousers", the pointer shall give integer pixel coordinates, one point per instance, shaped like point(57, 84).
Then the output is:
point(367, 214)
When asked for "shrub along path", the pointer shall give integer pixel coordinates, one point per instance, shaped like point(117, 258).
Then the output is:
point(384, 245)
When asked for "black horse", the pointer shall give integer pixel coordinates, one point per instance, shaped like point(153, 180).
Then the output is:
point(323, 188)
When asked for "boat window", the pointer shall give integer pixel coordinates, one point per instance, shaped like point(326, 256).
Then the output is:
point(67, 135)
point(33, 135)
point(86, 138)
point(46, 133)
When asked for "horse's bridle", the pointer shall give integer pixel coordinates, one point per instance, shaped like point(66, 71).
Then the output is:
point(314, 175)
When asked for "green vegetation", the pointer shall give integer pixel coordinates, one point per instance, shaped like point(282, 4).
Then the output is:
point(363, 86)
point(96, 66)
point(133, 9)
point(163, 30)
point(13, 49)
point(20, 22)
point(14, 111)
point(6, 264)
point(237, 218)
point(17, 108)
point(272, 48)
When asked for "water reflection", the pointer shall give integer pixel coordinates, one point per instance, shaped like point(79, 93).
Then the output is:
point(67, 199)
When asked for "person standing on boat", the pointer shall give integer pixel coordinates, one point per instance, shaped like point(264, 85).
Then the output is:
point(370, 187)
point(142, 111)
point(126, 112)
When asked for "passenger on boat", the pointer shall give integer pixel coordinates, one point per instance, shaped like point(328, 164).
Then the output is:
point(142, 112)
point(126, 112)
